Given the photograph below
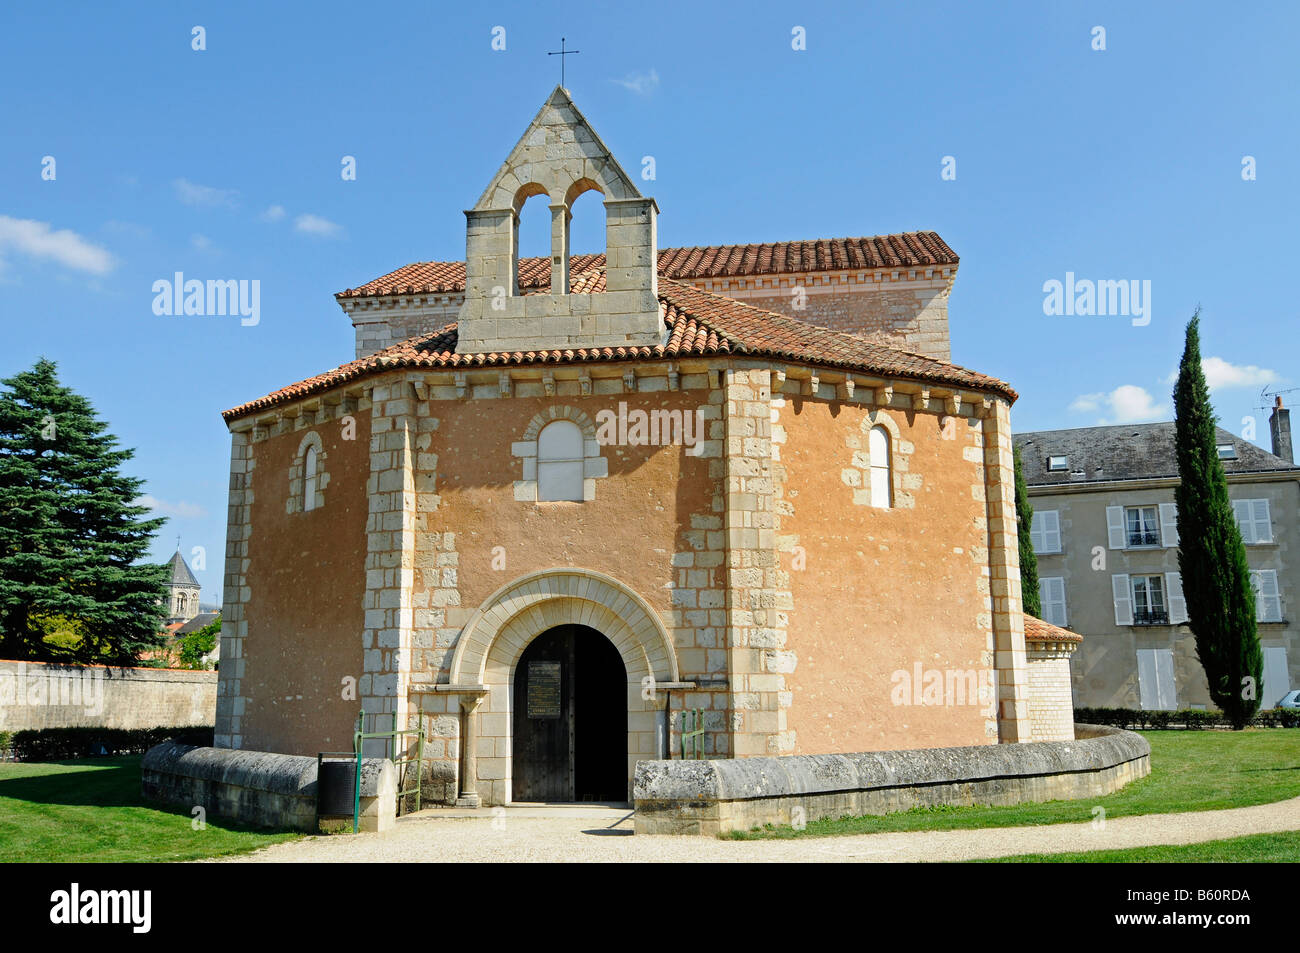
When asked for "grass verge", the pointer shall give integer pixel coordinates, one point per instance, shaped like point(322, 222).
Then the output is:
point(91, 810)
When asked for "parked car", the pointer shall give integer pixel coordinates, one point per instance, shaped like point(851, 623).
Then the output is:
point(1290, 700)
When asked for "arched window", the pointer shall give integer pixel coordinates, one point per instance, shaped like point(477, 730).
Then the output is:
point(309, 480)
point(559, 462)
point(881, 484)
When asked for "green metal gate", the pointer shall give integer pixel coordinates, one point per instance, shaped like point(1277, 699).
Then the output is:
point(408, 765)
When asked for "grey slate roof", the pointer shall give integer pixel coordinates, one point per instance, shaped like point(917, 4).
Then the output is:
point(198, 622)
point(1125, 452)
point(181, 575)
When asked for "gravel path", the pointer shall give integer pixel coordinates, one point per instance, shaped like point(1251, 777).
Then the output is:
point(605, 835)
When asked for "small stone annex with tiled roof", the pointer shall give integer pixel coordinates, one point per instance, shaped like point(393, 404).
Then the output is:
point(584, 510)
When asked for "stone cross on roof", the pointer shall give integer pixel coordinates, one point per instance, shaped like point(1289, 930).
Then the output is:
point(562, 53)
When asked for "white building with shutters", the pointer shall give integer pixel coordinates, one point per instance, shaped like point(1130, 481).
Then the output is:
point(1105, 531)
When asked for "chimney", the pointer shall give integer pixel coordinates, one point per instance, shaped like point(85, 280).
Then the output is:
point(1279, 428)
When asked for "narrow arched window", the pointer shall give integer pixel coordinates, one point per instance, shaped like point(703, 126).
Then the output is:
point(878, 448)
point(559, 462)
point(309, 480)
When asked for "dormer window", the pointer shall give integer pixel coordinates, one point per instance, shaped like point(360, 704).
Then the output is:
point(1058, 463)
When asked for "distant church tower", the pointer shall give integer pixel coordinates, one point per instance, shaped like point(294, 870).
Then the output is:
point(183, 589)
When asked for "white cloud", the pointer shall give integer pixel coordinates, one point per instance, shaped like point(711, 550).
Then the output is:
point(1087, 403)
point(203, 196)
point(201, 242)
point(179, 508)
point(37, 240)
point(1223, 375)
point(1220, 374)
point(1126, 404)
point(643, 84)
point(315, 225)
point(273, 214)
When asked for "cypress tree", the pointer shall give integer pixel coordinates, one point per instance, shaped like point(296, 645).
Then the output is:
point(1029, 594)
point(71, 536)
point(1211, 555)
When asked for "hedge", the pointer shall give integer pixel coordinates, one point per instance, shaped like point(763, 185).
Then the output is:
point(1186, 718)
point(56, 744)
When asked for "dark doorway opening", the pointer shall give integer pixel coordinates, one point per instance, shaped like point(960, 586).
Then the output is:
point(570, 719)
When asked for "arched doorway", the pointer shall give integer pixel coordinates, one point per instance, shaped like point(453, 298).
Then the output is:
point(570, 737)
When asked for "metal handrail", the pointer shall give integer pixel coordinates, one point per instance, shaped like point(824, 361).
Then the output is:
point(695, 736)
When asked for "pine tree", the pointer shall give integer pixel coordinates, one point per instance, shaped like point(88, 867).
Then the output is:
point(1211, 555)
point(71, 536)
point(1030, 596)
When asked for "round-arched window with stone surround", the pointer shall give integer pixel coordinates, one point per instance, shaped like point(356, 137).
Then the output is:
point(560, 462)
point(881, 480)
point(564, 447)
point(307, 476)
point(309, 479)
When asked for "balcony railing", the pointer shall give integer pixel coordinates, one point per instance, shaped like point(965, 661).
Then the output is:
point(1150, 617)
point(1143, 539)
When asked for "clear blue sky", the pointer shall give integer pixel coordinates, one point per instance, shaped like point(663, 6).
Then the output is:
point(1116, 164)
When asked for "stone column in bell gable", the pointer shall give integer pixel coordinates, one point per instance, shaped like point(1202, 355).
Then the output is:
point(390, 555)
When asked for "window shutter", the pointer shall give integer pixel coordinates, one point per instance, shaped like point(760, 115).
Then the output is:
point(1051, 532)
point(1148, 684)
point(1119, 588)
point(1115, 526)
point(1168, 525)
point(1268, 601)
point(1277, 679)
point(1045, 532)
point(1166, 691)
point(1052, 592)
point(1241, 513)
point(1177, 604)
point(1263, 525)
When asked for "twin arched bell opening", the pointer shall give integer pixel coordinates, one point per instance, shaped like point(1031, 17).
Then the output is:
point(559, 156)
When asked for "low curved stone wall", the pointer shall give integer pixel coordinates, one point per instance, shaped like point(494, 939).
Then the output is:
point(713, 797)
point(259, 788)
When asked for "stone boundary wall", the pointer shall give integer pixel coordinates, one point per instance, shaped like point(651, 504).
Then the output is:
point(35, 695)
point(259, 788)
point(714, 797)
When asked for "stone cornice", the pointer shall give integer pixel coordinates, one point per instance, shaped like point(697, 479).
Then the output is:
point(479, 383)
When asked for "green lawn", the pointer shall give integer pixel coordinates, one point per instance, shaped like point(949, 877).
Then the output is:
point(1190, 771)
point(1255, 848)
point(91, 810)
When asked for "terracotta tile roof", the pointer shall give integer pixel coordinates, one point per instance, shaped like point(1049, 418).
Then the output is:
point(713, 261)
point(1036, 630)
point(700, 324)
